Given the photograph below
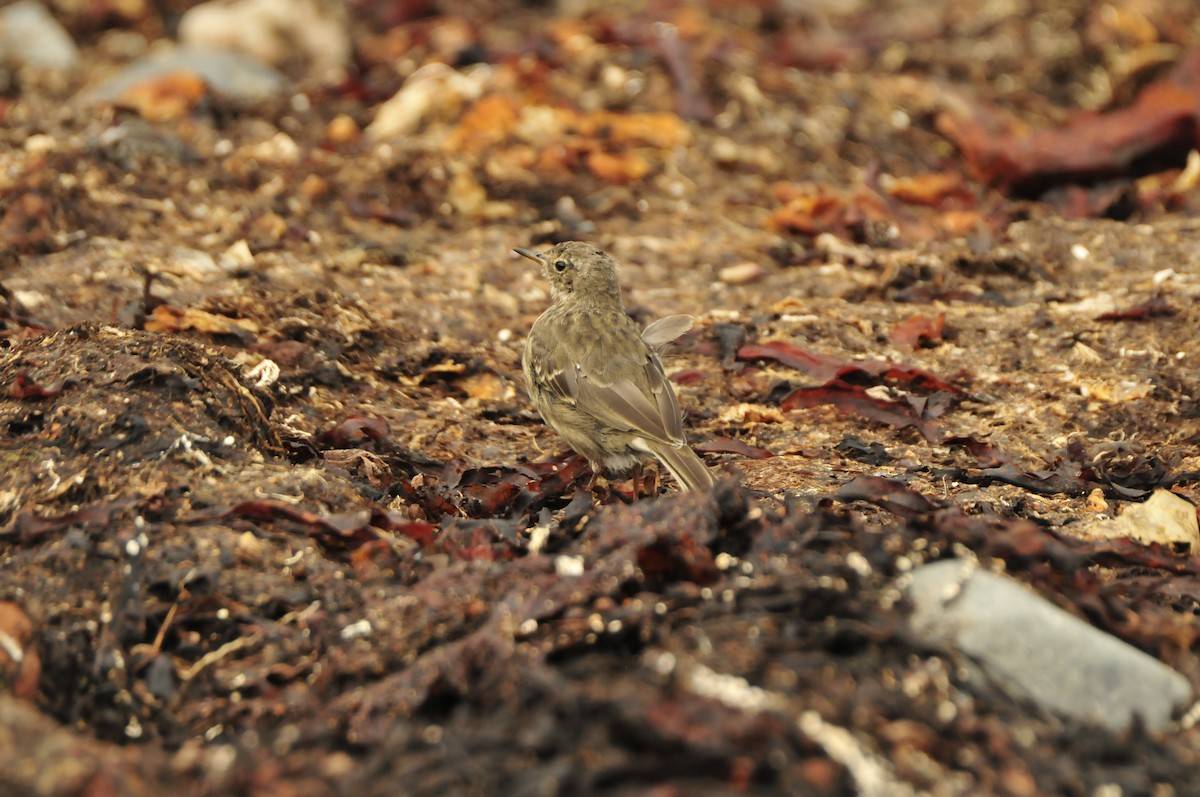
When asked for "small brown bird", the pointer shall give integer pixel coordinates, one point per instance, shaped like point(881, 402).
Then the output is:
point(595, 379)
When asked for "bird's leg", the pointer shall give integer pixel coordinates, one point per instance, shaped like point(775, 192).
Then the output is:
point(651, 482)
point(598, 486)
point(636, 475)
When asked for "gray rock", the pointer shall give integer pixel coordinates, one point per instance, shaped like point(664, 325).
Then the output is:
point(274, 32)
point(229, 74)
point(30, 36)
point(1038, 652)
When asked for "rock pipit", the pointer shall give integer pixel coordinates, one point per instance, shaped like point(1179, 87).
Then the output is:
point(599, 382)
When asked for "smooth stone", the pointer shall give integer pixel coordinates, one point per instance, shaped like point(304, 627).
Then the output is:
point(236, 77)
point(273, 32)
point(1036, 651)
point(30, 35)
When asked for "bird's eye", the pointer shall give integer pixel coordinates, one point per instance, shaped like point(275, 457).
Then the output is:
point(560, 266)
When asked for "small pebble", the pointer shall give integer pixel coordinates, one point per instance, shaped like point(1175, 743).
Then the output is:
point(342, 129)
point(314, 187)
point(741, 274)
point(724, 151)
point(40, 143)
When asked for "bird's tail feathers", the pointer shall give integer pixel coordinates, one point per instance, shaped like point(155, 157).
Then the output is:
point(687, 468)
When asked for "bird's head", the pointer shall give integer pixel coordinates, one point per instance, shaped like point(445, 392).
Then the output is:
point(578, 272)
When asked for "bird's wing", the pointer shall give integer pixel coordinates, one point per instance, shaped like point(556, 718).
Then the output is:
point(550, 368)
point(668, 404)
point(623, 404)
point(665, 330)
point(644, 405)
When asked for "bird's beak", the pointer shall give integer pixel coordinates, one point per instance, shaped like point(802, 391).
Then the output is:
point(529, 253)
